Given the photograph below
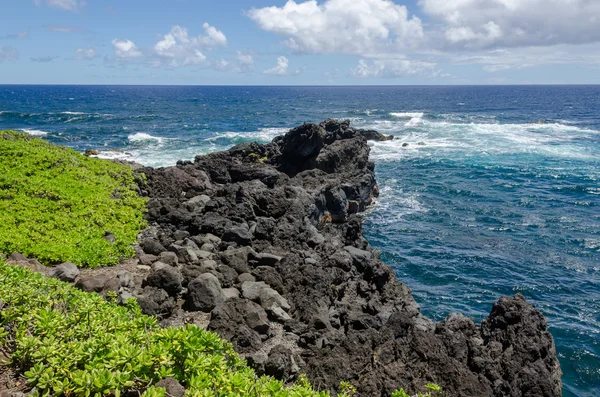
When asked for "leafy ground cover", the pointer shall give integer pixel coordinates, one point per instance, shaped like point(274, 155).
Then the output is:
point(58, 205)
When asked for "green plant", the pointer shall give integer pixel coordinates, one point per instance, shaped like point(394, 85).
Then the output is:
point(58, 205)
point(432, 388)
point(68, 342)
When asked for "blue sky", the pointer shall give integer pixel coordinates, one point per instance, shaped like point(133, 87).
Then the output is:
point(268, 42)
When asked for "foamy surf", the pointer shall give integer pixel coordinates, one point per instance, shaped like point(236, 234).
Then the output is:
point(34, 132)
point(407, 115)
point(145, 137)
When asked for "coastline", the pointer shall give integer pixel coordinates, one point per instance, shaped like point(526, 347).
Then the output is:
point(278, 227)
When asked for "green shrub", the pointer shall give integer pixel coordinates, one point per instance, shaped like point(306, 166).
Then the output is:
point(57, 205)
point(69, 342)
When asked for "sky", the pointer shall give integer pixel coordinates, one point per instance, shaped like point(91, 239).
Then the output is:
point(325, 42)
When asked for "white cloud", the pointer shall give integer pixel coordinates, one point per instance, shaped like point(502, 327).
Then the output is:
point(181, 49)
point(341, 26)
point(64, 28)
point(8, 53)
point(242, 63)
point(126, 49)
point(395, 68)
point(69, 5)
point(281, 69)
point(515, 23)
point(44, 59)
point(85, 54)
point(21, 35)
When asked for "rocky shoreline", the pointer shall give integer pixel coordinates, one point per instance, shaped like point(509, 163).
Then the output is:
point(263, 244)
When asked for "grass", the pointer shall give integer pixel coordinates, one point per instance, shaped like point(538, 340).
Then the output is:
point(57, 205)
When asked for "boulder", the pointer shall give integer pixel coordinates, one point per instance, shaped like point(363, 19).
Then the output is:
point(204, 293)
point(65, 272)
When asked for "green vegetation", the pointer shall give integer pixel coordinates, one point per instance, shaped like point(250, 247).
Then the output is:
point(432, 390)
point(57, 205)
point(73, 343)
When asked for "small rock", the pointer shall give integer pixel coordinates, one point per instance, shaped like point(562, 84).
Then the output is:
point(280, 315)
point(239, 235)
point(265, 259)
point(108, 236)
point(269, 299)
point(208, 247)
point(147, 259)
point(252, 289)
point(65, 272)
point(245, 277)
point(92, 283)
point(151, 246)
point(167, 278)
point(204, 293)
point(172, 386)
point(16, 257)
point(181, 235)
point(231, 293)
point(170, 258)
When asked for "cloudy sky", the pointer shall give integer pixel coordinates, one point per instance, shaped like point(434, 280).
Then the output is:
point(269, 42)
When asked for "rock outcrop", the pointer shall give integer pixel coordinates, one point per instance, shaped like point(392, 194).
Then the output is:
point(263, 244)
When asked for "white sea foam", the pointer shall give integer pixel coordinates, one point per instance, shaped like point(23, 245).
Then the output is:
point(145, 137)
point(262, 135)
point(73, 113)
point(434, 138)
point(407, 115)
point(34, 132)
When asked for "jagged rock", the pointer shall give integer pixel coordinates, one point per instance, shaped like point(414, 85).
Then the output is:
point(151, 246)
point(245, 277)
point(147, 259)
point(65, 272)
point(231, 293)
point(167, 278)
point(344, 314)
point(169, 258)
point(252, 289)
point(156, 302)
point(204, 293)
point(270, 299)
point(239, 235)
point(92, 283)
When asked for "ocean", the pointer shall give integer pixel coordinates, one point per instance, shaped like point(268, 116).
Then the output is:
point(496, 193)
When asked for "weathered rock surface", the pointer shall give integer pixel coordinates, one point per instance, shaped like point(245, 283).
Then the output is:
point(278, 227)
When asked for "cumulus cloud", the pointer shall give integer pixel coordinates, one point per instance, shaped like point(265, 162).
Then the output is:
point(180, 49)
point(69, 5)
point(395, 68)
point(85, 54)
point(515, 23)
point(8, 53)
point(126, 49)
point(281, 69)
point(242, 63)
point(341, 26)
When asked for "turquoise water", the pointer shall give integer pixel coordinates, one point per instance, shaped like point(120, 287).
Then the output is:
point(496, 193)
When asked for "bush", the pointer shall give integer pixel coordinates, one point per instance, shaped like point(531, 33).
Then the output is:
point(69, 342)
point(57, 205)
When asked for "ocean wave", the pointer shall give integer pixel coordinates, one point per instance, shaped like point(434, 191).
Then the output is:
point(145, 137)
point(421, 137)
point(34, 132)
point(264, 135)
point(407, 115)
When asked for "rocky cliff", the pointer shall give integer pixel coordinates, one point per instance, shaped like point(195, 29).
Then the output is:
point(263, 244)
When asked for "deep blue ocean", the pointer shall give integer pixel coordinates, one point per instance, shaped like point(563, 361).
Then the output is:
point(497, 192)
